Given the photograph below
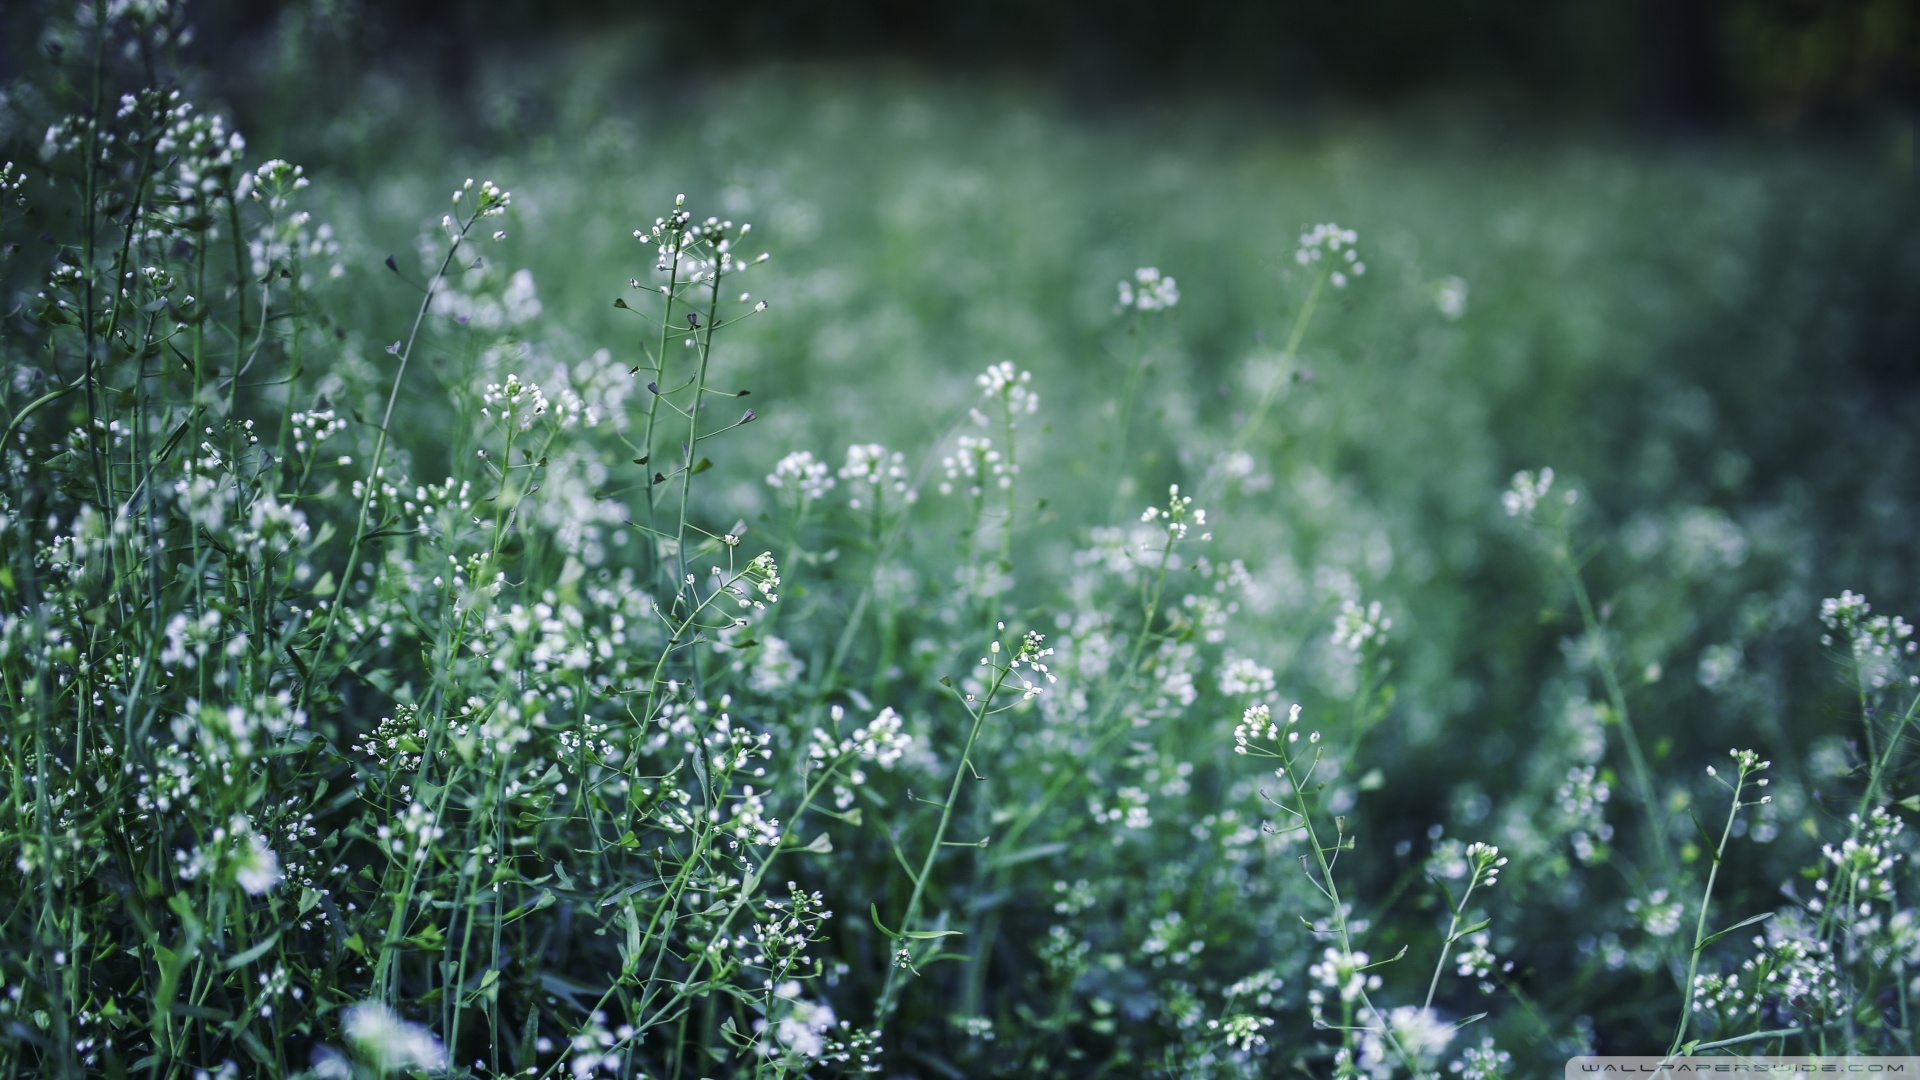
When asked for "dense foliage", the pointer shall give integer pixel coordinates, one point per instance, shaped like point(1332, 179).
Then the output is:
point(538, 632)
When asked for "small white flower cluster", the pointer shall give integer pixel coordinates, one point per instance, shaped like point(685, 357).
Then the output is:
point(801, 1030)
point(976, 457)
point(876, 466)
point(1417, 1033)
point(235, 849)
point(750, 823)
point(775, 669)
point(1878, 642)
point(1483, 1062)
point(1345, 973)
point(480, 300)
point(1155, 291)
point(761, 576)
point(310, 429)
point(1527, 492)
point(731, 748)
point(690, 254)
point(882, 741)
point(1257, 724)
point(1451, 298)
point(1262, 986)
point(974, 1027)
point(595, 1048)
point(415, 836)
point(1357, 626)
point(284, 245)
point(1579, 800)
point(1794, 971)
point(189, 639)
point(1658, 914)
point(237, 732)
point(799, 471)
point(1748, 762)
point(1176, 515)
point(274, 181)
point(490, 202)
point(390, 1043)
point(1863, 864)
point(1242, 1032)
point(1487, 863)
point(1030, 654)
point(1031, 651)
point(518, 403)
point(1241, 677)
point(1170, 940)
point(12, 180)
point(1012, 386)
point(1130, 810)
point(1477, 960)
point(1332, 244)
point(204, 151)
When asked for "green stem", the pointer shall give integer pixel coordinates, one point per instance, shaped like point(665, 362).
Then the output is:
point(1255, 419)
point(1639, 771)
point(889, 992)
point(380, 450)
point(1700, 923)
point(1453, 926)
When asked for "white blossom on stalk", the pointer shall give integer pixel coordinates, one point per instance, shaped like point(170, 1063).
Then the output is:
point(391, 1043)
point(1003, 380)
point(1334, 246)
point(255, 867)
point(800, 471)
point(1527, 491)
point(1154, 292)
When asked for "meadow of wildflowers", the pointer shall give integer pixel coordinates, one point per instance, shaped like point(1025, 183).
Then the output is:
point(948, 617)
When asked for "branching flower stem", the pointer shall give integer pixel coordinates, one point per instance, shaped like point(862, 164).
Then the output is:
point(978, 711)
point(1749, 763)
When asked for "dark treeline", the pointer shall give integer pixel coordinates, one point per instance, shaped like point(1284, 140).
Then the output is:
point(1673, 65)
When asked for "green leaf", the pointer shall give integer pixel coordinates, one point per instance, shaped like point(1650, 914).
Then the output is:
point(874, 910)
point(1038, 851)
point(241, 960)
point(1706, 841)
point(929, 935)
point(1741, 925)
point(1474, 929)
point(258, 1049)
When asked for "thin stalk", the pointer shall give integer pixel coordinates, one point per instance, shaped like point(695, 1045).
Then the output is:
point(1700, 922)
point(1453, 927)
point(1258, 417)
point(889, 992)
point(660, 382)
point(380, 446)
point(1639, 771)
point(1124, 425)
point(705, 348)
